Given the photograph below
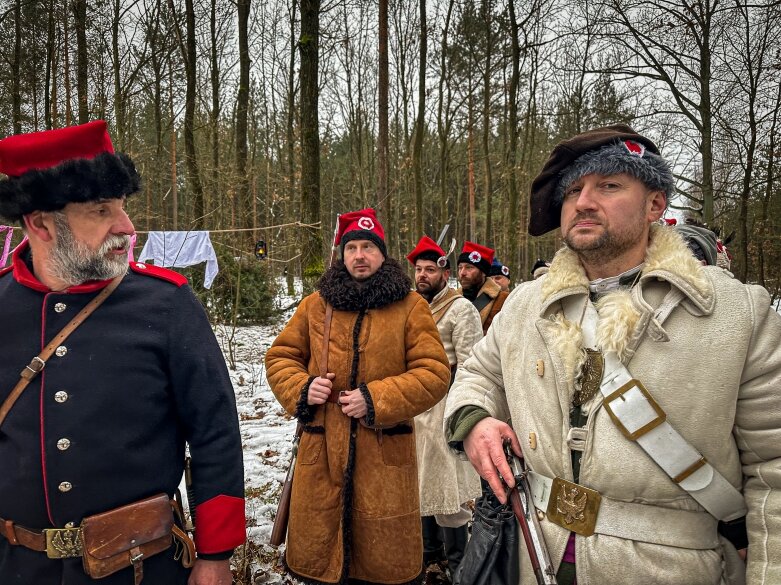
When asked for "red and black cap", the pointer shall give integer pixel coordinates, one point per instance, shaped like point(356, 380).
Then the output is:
point(360, 225)
point(427, 249)
point(480, 256)
point(609, 150)
point(499, 269)
point(47, 170)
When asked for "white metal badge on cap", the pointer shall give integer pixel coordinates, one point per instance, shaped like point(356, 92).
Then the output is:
point(442, 261)
point(475, 257)
point(506, 271)
point(366, 223)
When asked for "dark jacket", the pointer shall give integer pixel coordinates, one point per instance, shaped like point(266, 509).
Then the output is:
point(105, 423)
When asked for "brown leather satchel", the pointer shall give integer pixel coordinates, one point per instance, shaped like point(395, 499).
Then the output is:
point(125, 536)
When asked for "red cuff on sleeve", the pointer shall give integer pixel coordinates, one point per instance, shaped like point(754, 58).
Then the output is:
point(220, 524)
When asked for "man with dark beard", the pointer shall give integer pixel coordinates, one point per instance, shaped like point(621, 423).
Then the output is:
point(648, 432)
point(474, 266)
point(354, 509)
point(104, 426)
point(446, 482)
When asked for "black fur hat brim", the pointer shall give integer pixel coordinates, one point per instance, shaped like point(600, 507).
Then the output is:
point(107, 176)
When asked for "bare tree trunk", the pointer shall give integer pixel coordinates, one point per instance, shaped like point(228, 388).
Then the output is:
point(67, 74)
point(470, 147)
point(443, 119)
point(419, 123)
point(487, 177)
point(312, 249)
point(216, 107)
point(382, 110)
point(50, 90)
point(174, 172)
point(242, 106)
point(119, 101)
point(80, 16)
point(16, 81)
point(512, 150)
point(191, 73)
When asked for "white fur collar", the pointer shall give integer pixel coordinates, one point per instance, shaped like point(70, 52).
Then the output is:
point(667, 257)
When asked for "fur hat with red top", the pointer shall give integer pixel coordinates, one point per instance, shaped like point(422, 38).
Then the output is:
point(604, 151)
point(480, 256)
point(427, 249)
point(360, 225)
point(47, 170)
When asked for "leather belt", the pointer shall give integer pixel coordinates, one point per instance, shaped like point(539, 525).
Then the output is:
point(586, 511)
point(334, 396)
point(57, 543)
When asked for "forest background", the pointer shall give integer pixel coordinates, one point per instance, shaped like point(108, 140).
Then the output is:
point(261, 120)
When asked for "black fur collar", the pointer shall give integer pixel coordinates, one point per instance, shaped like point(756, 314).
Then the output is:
point(388, 285)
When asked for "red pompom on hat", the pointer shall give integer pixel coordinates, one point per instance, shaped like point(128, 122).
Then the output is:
point(360, 225)
point(427, 249)
point(480, 256)
point(47, 170)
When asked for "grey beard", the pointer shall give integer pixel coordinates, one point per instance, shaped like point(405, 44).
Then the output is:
point(74, 263)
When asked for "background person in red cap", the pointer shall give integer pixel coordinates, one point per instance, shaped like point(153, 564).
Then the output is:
point(677, 461)
point(474, 265)
point(446, 481)
point(105, 424)
point(354, 510)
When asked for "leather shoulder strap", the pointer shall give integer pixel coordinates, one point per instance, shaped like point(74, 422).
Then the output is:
point(37, 364)
point(445, 304)
point(329, 314)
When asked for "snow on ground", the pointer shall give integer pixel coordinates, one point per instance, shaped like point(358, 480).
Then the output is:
point(266, 433)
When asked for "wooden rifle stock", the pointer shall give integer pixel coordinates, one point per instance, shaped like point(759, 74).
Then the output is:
point(279, 530)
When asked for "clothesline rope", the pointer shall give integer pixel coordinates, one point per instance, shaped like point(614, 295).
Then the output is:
point(315, 225)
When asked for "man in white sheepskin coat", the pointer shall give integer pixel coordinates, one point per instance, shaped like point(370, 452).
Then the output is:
point(640, 386)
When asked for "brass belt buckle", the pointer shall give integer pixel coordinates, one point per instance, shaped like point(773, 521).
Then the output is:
point(63, 543)
point(573, 506)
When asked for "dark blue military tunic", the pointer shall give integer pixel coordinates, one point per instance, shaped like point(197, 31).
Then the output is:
point(105, 423)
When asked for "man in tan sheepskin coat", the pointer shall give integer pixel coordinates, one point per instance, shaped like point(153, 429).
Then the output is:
point(640, 386)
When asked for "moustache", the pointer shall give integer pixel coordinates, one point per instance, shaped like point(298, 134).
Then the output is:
point(113, 242)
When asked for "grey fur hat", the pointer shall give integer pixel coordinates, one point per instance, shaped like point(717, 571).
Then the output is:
point(624, 156)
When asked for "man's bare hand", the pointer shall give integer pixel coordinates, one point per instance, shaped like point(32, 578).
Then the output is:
point(320, 389)
point(211, 573)
point(353, 403)
point(484, 447)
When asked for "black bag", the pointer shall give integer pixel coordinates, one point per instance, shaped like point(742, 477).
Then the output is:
point(492, 555)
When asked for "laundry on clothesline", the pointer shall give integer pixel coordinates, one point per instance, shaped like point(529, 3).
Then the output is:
point(181, 249)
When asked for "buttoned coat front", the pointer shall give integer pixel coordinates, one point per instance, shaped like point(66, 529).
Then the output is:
point(714, 366)
point(354, 510)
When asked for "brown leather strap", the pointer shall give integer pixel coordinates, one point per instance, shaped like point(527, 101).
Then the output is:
point(329, 314)
point(19, 535)
point(188, 547)
point(137, 560)
point(37, 364)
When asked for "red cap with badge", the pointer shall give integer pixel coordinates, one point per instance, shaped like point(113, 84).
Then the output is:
point(360, 225)
point(480, 256)
point(427, 249)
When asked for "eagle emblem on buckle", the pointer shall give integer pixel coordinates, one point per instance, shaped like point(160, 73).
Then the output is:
point(573, 506)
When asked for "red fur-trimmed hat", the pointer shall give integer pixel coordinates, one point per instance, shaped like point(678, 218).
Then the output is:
point(47, 170)
point(480, 256)
point(427, 249)
point(360, 225)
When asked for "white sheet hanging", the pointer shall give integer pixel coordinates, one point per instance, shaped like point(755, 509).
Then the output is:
point(181, 249)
